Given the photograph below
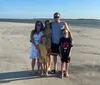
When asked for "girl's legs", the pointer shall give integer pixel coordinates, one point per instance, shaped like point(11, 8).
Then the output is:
point(39, 65)
point(62, 69)
point(46, 68)
point(49, 63)
point(42, 69)
point(67, 66)
point(33, 64)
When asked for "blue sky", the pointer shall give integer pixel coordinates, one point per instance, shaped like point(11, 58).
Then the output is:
point(46, 8)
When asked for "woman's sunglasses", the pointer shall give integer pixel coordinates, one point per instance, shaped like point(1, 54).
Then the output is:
point(38, 24)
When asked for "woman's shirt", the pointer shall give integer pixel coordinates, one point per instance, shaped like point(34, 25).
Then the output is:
point(37, 37)
point(48, 35)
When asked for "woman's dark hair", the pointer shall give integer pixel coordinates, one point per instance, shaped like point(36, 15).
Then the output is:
point(42, 26)
point(46, 23)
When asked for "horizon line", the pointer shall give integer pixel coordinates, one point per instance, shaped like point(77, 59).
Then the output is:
point(52, 18)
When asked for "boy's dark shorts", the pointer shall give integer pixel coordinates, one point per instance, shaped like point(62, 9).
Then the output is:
point(65, 59)
point(54, 49)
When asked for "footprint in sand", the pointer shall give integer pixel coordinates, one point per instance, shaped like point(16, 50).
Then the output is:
point(89, 74)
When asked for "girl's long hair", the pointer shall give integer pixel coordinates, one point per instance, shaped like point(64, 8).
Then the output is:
point(42, 26)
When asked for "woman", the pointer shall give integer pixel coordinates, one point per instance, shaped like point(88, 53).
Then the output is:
point(35, 38)
point(48, 34)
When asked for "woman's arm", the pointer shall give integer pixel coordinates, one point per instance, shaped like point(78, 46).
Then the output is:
point(32, 39)
point(48, 50)
point(39, 52)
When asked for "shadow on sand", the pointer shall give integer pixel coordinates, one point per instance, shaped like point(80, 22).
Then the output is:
point(22, 75)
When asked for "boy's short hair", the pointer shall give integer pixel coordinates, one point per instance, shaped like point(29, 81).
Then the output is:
point(57, 13)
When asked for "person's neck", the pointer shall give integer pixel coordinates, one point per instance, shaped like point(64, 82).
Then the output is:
point(65, 36)
point(58, 21)
point(48, 28)
point(43, 43)
point(38, 32)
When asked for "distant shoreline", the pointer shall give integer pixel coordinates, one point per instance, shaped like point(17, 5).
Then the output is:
point(72, 22)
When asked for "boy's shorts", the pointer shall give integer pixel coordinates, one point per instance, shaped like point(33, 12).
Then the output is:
point(65, 59)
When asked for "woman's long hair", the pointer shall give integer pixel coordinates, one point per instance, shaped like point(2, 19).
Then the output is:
point(46, 23)
point(42, 26)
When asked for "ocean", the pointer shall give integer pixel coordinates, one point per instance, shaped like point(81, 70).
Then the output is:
point(94, 23)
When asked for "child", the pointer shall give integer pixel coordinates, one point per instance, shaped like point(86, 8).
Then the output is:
point(43, 50)
point(65, 48)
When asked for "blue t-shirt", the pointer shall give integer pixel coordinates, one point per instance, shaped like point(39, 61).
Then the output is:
point(56, 31)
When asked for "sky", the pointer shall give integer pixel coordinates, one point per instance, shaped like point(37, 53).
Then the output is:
point(69, 9)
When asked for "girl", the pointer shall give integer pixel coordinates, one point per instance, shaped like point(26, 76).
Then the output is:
point(48, 35)
point(65, 48)
point(35, 40)
point(43, 50)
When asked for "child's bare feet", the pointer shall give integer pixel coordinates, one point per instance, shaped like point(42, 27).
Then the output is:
point(42, 74)
point(49, 69)
point(67, 75)
point(47, 74)
point(62, 75)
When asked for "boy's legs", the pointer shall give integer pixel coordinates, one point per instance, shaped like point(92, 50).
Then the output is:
point(62, 68)
point(67, 66)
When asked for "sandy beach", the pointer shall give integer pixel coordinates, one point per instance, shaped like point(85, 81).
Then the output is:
point(15, 63)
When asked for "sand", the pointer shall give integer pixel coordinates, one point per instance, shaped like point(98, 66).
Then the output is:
point(15, 63)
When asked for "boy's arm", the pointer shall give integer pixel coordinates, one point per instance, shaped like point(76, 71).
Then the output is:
point(71, 45)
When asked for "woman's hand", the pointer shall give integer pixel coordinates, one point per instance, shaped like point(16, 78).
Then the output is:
point(48, 54)
point(37, 47)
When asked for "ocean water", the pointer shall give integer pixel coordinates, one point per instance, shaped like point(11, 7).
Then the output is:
point(84, 23)
point(94, 23)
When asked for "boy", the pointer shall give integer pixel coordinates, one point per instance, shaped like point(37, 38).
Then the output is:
point(65, 48)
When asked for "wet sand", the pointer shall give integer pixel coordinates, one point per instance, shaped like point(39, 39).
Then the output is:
point(15, 63)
